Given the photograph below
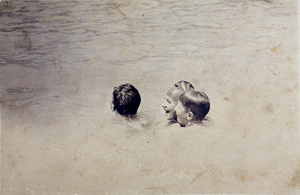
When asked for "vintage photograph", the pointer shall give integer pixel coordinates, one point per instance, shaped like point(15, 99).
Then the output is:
point(149, 97)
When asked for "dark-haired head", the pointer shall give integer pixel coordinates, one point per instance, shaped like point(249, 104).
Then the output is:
point(192, 107)
point(126, 100)
point(196, 102)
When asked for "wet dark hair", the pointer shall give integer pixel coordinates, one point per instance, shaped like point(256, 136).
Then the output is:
point(197, 102)
point(126, 99)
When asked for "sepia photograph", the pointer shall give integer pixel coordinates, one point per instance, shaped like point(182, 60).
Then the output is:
point(149, 97)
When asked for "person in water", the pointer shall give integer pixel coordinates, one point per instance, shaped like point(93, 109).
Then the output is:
point(126, 100)
point(172, 99)
point(191, 108)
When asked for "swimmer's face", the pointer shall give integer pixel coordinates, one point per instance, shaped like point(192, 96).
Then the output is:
point(171, 101)
point(168, 106)
point(182, 114)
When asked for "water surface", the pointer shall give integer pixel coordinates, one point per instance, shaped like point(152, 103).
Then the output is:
point(61, 59)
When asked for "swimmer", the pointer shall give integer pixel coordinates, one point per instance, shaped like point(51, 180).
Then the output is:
point(191, 108)
point(126, 100)
point(172, 99)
